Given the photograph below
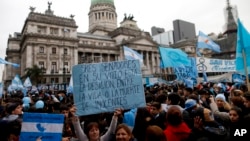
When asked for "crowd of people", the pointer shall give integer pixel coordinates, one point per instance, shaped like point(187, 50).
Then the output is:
point(206, 112)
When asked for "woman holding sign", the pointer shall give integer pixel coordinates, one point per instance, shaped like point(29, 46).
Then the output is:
point(92, 131)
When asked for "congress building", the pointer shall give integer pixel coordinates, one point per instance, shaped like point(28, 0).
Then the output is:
point(55, 45)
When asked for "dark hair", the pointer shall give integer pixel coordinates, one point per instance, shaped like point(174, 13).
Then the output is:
point(174, 98)
point(190, 90)
point(161, 98)
point(155, 133)
point(239, 111)
point(89, 126)
point(194, 97)
point(157, 105)
point(11, 107)
point(247, 95)
point(174, 116)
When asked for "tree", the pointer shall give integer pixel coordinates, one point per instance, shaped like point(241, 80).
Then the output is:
point(35, 73)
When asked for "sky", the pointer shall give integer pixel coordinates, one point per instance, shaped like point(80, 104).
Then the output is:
point(207, 15)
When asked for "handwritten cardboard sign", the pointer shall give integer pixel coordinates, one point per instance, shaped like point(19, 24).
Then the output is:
point(103, 87)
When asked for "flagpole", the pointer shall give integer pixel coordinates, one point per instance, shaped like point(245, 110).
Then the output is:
point(245, 67)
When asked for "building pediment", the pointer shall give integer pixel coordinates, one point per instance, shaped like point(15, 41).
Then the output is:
point(146, 41)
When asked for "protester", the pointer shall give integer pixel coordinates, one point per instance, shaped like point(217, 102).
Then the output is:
point(123, 133)
point(92, 132)
point(155, 133)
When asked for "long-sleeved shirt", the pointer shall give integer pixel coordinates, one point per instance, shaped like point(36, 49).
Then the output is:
point(82, 136)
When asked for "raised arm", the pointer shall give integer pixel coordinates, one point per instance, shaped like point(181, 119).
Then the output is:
point(112, 127)
point(79, 132)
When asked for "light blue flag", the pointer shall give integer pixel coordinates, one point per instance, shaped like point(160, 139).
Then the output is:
point(189, 83)
point(48, 127)
point(205, 42)
point(186, 72)
point(27, 83)
point(2, 61)
point(70, 87)
point(238, 78)
point(131, 54)
point(17, 83)
point(1, 90)
point(173, 57)
point(243, 44)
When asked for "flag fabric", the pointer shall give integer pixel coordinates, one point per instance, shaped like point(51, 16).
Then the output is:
point(70, 87)
point(2, 61)
point(205, 42)
point(1, 90)
point(47, 127)
point(27, 82)
point(16, 83)
point(243, 44)
point(173, 57)
point(131, 54)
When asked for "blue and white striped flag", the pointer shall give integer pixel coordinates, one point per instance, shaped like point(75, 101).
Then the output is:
point(2, 61)
point(130, 54)
point(47, 127)
point(205, 42)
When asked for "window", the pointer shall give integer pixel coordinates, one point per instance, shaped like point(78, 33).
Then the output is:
point(41, 29)
point(66, 32)
point(53, 67)
point(54, 31)
point(100, 44)
point(65, 51)
point(41, 64)
point(41, 50)
point(54, 80)
point(66, 66)
point(53, 50)
point(85, 42)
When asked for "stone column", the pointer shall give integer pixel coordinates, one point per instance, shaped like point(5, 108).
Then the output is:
point(147, 59)
point(153, 62)
point(92, 58)
point(158, 63)
point(108, 56)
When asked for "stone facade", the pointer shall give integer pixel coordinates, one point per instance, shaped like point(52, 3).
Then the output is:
point(54, 43)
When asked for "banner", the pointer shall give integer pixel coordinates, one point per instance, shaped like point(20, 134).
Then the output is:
point(103, 87)
point(215, 65)
point(186, 72)
point(47, 127)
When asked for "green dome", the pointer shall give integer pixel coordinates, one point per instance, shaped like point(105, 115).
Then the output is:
point(93, 2)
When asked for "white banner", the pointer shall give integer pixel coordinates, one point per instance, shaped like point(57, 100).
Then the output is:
point(215, 65)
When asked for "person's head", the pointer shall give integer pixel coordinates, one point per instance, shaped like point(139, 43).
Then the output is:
point(220, 100)
point(155, 108)
point(235, 114)
point(173, 99)
point(123, 133)
point(174, 116)
point(188, 91)
point(64, 109)
point(92, 131)
point(237, 101)
point(155, 133)
point(162, 98)
point(246, 99)
point(14, 108)
point(190, 104)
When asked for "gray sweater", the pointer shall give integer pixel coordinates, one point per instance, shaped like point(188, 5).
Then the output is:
point(82, 136)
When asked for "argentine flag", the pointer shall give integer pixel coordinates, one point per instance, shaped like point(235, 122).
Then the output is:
point(130, 54)
point(205, 42)
point(47, 127)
